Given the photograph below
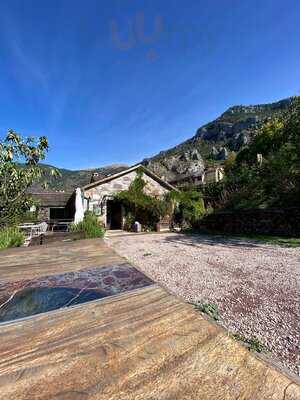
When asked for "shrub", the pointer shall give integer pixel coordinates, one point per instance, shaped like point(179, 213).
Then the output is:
point(188, 206)
point(140, 206)
point(11, 237)
point(271, 180)
point(209, 309)
point(129, 221)
point(252, 343)
point(90, 226)
point(28, 216)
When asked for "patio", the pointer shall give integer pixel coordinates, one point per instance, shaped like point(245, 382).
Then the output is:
point(141, 344)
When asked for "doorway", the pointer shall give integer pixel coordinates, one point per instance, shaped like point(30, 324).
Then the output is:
point(113, 214)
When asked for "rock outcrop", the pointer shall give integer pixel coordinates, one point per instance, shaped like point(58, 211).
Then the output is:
point(214, 141)
point(177, 166)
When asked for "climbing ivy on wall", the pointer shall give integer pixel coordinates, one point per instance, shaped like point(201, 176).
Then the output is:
point(146, 209)
point(188, 206)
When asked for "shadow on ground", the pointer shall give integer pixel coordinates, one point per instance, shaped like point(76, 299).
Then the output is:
point(213, 240)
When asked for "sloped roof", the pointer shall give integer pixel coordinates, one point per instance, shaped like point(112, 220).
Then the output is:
point(126, 171)
point(52, 199)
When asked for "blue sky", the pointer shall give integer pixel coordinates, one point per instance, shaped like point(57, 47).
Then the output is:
point(117, 81)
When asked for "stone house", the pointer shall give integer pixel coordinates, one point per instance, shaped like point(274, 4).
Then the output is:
point(213, 174)
point(209, 175)
point(52, 206)
point(99, 194)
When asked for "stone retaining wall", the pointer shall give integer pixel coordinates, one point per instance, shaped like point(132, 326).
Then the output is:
point(55, 237)
point(265, 222)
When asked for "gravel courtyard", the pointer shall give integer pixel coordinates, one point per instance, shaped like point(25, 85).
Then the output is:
point(255, 286)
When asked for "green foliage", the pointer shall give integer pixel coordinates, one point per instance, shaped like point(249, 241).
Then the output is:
point(29, 216)
point(188, 206)
point(278, 240)
point(129, 221)
point(19, 169)
point(140, 206)
point(230, 161)
point(213, 193)
point(11, 237)
point(209, 309)
point(273, 181)
point(253, 344)
point(89, 226)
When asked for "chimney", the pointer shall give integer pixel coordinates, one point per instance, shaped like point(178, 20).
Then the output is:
point(96, 176)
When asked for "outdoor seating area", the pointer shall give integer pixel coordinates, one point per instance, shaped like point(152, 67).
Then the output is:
point(34, 230)
point(59, 225)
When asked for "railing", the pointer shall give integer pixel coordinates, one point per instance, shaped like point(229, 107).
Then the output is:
point(60, 225)
point(32, 230)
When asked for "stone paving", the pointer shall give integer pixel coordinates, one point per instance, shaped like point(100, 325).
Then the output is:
point(23, 298)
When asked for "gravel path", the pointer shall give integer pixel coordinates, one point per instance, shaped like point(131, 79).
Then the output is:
point(255, 286)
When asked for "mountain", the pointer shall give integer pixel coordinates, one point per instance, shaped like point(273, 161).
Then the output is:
point(214, 141)
point(211, 145)
point(69, 179)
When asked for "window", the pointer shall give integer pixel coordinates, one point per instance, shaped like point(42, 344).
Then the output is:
point(96, 209)
point(58, 213)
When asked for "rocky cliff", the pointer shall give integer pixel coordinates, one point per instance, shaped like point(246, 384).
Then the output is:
point(214, 141)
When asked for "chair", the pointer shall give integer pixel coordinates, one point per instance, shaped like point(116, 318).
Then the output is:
point(43, 227)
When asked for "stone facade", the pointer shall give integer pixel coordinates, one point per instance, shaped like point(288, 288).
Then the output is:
point(213, 175)
point(96, 197)
point(43, 213)
point(210, 175)
point(49, 204)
